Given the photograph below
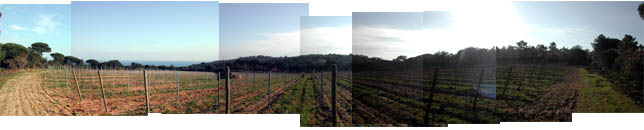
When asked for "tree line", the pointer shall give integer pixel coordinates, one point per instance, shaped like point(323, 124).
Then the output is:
point(302, 63)
point(619, 60)
point(16, 56)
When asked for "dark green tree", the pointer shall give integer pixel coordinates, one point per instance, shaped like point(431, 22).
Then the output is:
point(522, 44)
point(542, 52)
point(400, 58)
point(35, 54)
point(40, 47)
point(13, 50)
point(15, 56)
point(58, 58)
point(163, 67)
point(35, 58)
point(135, 65)
point(0, 17)
point(522, 47)
point(92, 62)
point(552, 52)
point(2, 54)
point(605, 52)
point(111, 64)
point(578, 56)
point(71, 60)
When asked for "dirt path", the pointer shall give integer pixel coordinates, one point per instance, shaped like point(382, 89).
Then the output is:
point(557, 102)
point(24, 96)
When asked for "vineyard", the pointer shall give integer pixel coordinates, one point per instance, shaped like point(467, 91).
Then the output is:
point(480, 94)
point(432, 98)
point(536, 93)
point(123, 92)
point(467, 94)
point(322, 92)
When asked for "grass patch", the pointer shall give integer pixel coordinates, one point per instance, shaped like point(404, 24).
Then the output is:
point(298, 100)
point(598, 95)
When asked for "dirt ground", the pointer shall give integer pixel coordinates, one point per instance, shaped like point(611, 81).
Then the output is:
point(556, 103)
point(24, 96)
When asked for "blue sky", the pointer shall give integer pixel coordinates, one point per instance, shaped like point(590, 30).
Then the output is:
point(400, 20)
point(489, 24)
point(270, 29)
point(146, 31)
point(325, 35)
point(29, 23)
point(387, 34)
point(572, 23)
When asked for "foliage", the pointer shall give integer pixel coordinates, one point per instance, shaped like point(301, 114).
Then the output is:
point(111, 64)
point(303, 63)
point(40, 47)
point(58, 58)
point(2, 54)
point(15, 56)
point(640, 9)
point(524, 53)
point(93, 63)
point(71, 60)
point(35, 54)
point(135, 65)
point(621, 62)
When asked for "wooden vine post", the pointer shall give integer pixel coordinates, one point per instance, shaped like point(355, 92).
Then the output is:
point(334, 109)
point(268, 99)
point(80, 96)
point(100, 80)
point(65, 69)
point(531, 76)
point(313, 79)
point(176, 77)
point(147, 92)
point(218, 86)
point(478, 90)
point(521, 81)
point(228, 90)
point(431, 97)
point(507, 81)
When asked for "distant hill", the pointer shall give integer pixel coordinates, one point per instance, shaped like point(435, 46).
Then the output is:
point(306, 63)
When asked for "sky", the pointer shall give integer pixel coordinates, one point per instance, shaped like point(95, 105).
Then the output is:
point(489, 24)
point(270, 29)
point(29, 23)
point(387, 34)
point(572, 23)
point(325, 35)
point(146, 31)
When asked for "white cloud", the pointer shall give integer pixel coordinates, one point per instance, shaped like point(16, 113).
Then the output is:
point(45, 23)
point(582, 28)
point(276, 44)
point(387, 43)
point(17, 27)
point(564, 30)
point(325, 40)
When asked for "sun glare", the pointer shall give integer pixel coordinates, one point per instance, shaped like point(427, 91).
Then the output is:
point(488, 24)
